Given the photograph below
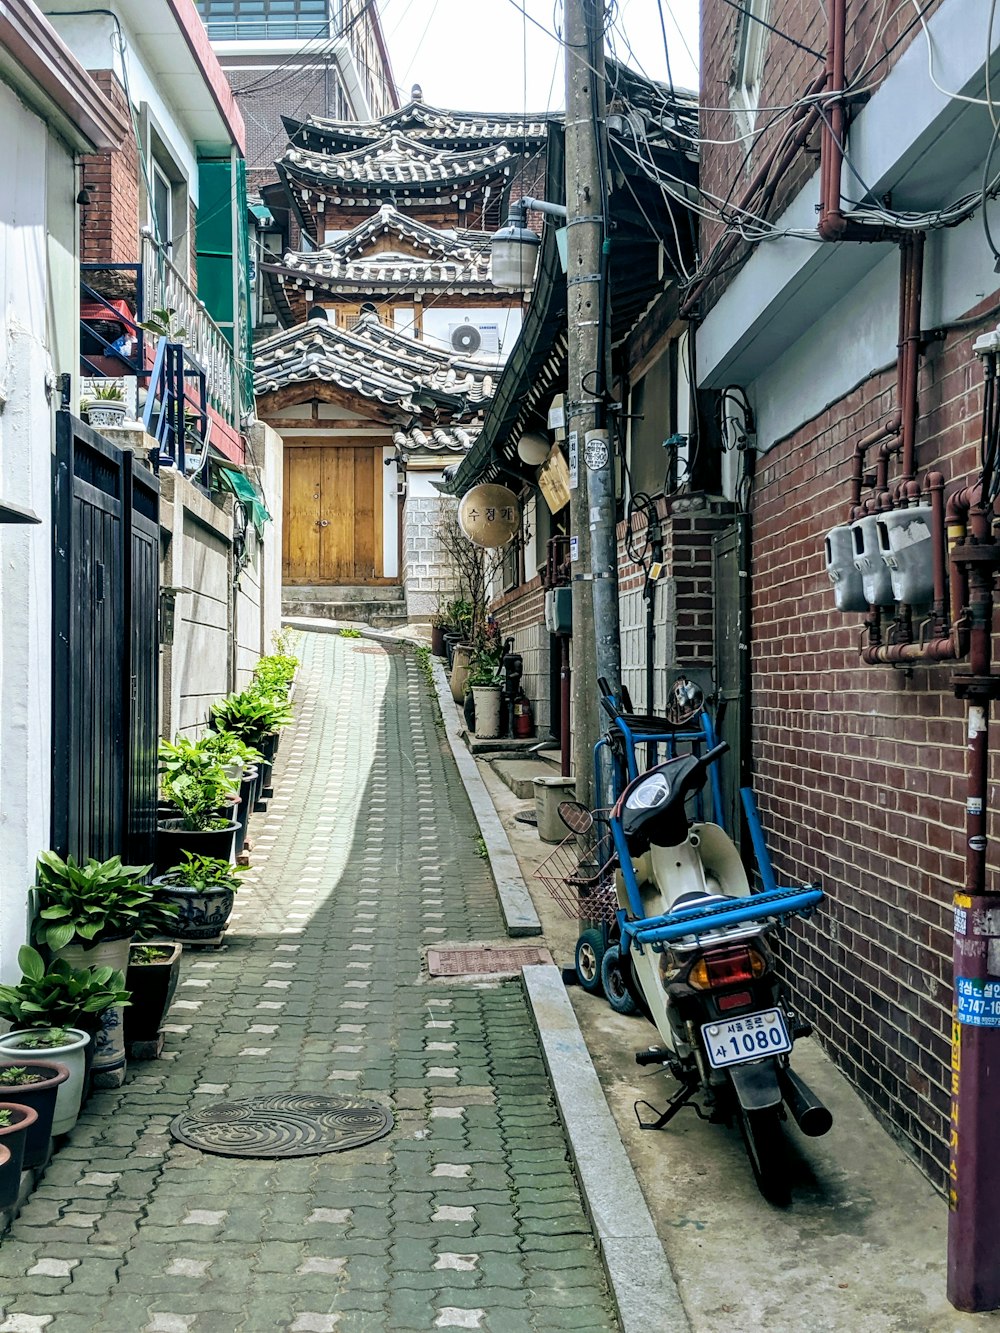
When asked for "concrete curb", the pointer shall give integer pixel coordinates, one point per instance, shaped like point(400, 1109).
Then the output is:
point(515, 901)
point(641, 1280)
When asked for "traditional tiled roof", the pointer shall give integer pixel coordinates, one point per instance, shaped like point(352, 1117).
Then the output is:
point(439, 440)
point(374, 362)
point(394, 161)
point(419, 121)
point(389, 221)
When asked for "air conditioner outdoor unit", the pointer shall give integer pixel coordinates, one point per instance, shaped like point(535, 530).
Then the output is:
point(472, 338)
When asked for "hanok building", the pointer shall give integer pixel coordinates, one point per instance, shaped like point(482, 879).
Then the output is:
point(394, 335)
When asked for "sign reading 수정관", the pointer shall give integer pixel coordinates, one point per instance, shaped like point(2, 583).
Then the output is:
point(489, 515)
point(978, 1002)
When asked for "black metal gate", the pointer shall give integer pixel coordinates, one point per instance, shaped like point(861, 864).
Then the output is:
point(105, 647)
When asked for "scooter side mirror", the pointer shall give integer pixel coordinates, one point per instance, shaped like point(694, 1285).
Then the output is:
point(576, 816)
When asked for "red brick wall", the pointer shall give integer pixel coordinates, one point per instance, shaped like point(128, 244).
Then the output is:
point(726, 170)
point(859, 772)
point(109, 224)
point(521, 608)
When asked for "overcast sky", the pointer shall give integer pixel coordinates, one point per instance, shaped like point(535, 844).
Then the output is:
point(470, 54)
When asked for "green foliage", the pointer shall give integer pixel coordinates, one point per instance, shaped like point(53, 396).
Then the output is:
point(107, 393)
point(481, 851)
point(162, 323)
point(350, 634)
point(91, 902)
point(20, 1076)
point(143, 954)
point(45, 1039)
point(228, 748)
point(273, 674)
point(204, 872)
point(251, 715)
point(459, 614)
point(192, 778)
point(285, 641)
point(58, 996)
point(423, 656)
point(6, 1118)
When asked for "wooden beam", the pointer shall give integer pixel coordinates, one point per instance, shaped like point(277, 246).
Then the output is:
point(310, 391)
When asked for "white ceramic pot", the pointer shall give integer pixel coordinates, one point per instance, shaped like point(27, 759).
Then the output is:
point(72, 1055)
point(109, 1043)
point(487, 699)
point(106, 414)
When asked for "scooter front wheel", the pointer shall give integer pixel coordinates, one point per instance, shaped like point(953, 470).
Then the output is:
point(764, 1140)
point(590, 949)
point(615, 984)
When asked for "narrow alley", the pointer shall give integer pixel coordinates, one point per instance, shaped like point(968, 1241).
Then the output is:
point(467, 1215)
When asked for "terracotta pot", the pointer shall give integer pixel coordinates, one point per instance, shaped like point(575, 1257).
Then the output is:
point(14, 1136)
point(173, 840)
point(152, 986)
point(42, 1097)
point(71, 1056)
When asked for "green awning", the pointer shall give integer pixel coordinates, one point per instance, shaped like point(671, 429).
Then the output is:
point(234, 480)
point(263, 214)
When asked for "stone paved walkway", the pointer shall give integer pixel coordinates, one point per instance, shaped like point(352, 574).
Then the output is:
point(467, 1215)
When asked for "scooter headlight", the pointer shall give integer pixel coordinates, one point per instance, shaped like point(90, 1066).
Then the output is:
point(649, 794)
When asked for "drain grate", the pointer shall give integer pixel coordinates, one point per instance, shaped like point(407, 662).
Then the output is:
point(484, 960)
point(282, 1125)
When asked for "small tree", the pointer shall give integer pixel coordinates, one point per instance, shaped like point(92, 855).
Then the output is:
point(473, 567)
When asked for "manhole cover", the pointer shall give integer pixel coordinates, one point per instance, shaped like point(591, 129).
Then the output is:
point(484, 961)
point(283, 1125)
point(527, 817)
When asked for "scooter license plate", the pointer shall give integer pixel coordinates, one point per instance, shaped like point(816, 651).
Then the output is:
point(734, 1041)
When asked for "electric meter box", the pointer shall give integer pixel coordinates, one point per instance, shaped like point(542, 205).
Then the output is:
point(906, 546)
point(875, 581)
point(559, 610)
point(848, 594)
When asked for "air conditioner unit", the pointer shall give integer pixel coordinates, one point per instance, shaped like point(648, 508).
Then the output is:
point(473, 338)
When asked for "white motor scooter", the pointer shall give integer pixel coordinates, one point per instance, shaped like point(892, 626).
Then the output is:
point(695, 958)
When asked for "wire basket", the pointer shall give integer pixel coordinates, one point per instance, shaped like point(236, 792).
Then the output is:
point(579, 873)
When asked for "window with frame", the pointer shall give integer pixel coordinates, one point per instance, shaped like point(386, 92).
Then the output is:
point(163, 207)
point(748, 64)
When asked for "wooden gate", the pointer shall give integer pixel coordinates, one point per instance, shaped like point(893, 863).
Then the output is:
point(106, 565)
point(333, 515)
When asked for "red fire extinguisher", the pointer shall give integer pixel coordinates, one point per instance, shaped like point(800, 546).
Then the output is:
point(524, 721)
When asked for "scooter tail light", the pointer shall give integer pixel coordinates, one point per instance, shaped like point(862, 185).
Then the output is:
point(739, 999)
point(727, 966)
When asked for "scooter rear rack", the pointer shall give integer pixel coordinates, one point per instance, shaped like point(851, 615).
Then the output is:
point(757, 907)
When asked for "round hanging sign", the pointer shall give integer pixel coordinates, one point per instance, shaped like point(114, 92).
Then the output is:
point(489, 515)
point(596, 454)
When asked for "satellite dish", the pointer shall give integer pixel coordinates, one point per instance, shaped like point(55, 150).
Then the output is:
point(467, 339)
point(489, 515)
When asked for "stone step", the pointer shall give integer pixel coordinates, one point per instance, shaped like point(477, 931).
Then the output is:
point(378, 614)
point(519, 774)
point(352, 592)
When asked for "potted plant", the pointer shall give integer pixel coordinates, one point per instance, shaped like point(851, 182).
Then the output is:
point(486, 691)
point(153, 970)
point(203, 888)
point(88, 913)
point(196, 784)
point(10, 1179)
point(106, 407)
point(35, 1083)
point(70, 1001)
point(69, 1046)
point(256, 717)
point(241, 764)
point(15, 1121)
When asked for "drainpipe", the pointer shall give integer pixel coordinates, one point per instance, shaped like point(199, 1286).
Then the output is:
point(832, 224)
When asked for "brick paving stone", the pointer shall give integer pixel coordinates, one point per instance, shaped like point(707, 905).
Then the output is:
point(467, 1215)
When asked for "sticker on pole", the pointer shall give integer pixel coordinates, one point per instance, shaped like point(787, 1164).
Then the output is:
point(978, 1002)
point(595, 453)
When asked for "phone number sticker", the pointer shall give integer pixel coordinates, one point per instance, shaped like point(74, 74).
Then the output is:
point(978, 1002)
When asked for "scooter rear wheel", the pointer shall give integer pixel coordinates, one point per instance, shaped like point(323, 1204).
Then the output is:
point(764, 1140)
point(615, 985)
point(590, 949)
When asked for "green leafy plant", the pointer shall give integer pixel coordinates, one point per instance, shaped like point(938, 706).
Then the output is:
point(193, 779)
point(45, 1039)
point(87, 903)
point(162, 323)
point(481, 851)
point(59, 996)
point(144, 954)
point(350, 634)
point(423, 656)
point(484, 668)
point(107, 393)
point(273, 674)
point(228, 748)
point(203, 873)
point(251, 715)
point(285, 641)
point(6, 1118)
point(19, 1076)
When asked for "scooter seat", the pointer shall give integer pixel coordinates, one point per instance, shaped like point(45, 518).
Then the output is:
point(698, 899)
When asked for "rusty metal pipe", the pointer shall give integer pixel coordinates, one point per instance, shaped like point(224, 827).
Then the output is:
point(932, 650)
point(908, 391)
point(886, 431)
point(832, 223)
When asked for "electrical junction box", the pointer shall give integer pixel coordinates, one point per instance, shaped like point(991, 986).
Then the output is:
point(848, 594)
point(875, 581)
point(907, 552)
point(559, 610)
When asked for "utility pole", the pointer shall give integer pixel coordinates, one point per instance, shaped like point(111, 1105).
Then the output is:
point(596, 643)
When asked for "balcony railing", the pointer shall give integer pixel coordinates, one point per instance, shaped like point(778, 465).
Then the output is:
point(166, 289)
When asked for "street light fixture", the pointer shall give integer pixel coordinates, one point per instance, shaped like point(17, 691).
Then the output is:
point(515, 246)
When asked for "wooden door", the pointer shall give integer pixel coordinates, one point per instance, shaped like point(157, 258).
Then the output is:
point(333, 515)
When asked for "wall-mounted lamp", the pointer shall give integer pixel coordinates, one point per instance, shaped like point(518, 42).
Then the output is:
point(515, 246)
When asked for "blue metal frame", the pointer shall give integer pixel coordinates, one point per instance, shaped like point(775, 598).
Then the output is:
point(169, 401)
point(704, 736)
point(132, 365)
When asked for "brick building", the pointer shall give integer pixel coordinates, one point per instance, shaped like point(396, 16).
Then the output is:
point(830, 354)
